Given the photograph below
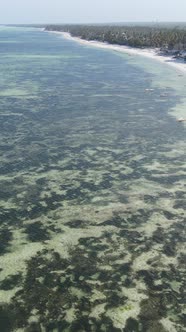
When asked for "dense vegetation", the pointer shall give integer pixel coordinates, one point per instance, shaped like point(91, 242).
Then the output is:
point(168, 37)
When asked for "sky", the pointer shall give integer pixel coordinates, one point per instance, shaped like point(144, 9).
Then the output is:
point(91, 11)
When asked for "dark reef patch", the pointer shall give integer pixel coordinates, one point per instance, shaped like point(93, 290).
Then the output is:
point(34, 327)
point(36, 232)
point(159, 236)
point(76, 223)
point(132, 325)
point(5, 238)
point(152, 309)
point(11, 282)
point(7, 318)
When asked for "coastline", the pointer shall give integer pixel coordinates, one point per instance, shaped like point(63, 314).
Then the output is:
point(150, 53)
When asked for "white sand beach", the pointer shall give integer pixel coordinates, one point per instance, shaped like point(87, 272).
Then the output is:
point(150, 53)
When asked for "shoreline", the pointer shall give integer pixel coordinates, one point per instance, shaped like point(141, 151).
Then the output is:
point(149, 53)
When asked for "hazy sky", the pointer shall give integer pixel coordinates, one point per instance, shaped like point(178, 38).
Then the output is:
point(83, 11)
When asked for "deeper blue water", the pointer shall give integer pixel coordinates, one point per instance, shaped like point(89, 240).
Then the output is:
point(92, 189)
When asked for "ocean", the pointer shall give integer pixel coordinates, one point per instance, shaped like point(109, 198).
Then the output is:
point(92, 188)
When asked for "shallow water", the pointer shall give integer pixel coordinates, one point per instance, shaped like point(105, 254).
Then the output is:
point(92, 188)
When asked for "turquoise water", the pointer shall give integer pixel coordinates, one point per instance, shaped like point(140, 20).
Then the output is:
point(92, 188)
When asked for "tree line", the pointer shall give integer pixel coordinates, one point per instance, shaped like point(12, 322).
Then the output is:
point(173, 38)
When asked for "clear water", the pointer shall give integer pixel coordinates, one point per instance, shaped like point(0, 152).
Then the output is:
point(92, 188)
